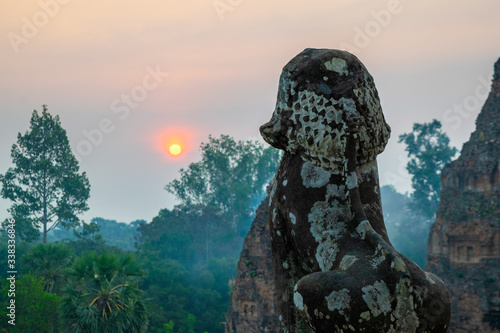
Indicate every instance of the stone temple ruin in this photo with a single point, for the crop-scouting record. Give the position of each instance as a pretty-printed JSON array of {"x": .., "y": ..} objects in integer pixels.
[
  {"x": 254, "y": 296},
  {"x": 464, "y": 243},
  {"x": 335, "y": 269}
]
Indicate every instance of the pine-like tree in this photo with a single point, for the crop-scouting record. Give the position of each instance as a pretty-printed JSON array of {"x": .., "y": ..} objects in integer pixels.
[{"x": 44, "y": 184}]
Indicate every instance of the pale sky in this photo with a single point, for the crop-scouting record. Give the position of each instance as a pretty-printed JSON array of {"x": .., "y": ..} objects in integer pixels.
[{"x": 150, "y": 72}]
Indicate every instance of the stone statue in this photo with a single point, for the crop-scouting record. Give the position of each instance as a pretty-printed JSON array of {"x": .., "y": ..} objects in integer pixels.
[{"x": 335, "y": 268}]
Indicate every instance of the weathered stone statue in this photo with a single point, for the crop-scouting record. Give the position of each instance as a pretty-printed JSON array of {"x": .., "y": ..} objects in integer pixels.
[{"x": 335, "y": 268}]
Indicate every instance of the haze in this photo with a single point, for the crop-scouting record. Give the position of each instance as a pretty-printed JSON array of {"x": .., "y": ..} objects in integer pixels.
[{"x": 126, "y": 77}]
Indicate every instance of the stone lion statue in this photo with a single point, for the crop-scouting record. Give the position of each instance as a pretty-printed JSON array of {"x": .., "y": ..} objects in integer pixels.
[{"x": 335, "y": 268}]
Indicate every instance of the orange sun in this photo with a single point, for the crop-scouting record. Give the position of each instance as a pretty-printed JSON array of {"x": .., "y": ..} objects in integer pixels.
[
  {"x": 175, "y": 149},
  {"x": 174, "y": 144}
]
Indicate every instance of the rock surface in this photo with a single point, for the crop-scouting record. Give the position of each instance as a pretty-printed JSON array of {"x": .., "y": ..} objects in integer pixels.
[
  {"x": 334, "y": 266},
  {"x": 252, "y": 302},
  {"x": 464, "y": 245}
]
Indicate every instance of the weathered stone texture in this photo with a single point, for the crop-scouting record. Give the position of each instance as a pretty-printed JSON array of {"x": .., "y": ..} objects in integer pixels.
[
  {"x": 335, "y": 268},
  {"x": 464, "y": 245},
  {"x": 252, "y": 303}
]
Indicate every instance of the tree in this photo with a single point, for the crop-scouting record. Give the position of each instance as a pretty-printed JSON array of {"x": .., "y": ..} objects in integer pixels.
[
  {"x": 191, "y": 235},
  {"x": 230, "y": 179},
  {"x": 167, "y": 289},
  {"x": 102, "y": 295},
  {"x": 45, "y": 185},
  {"x": 35, "y": 308},
  {"x": 118, "y": 234},
  {"x": 167, "y": 328},
  {"x": 429, "y": 151},
  {"x": 191, "y": 251},
  {"x": 48, "y": 261}
]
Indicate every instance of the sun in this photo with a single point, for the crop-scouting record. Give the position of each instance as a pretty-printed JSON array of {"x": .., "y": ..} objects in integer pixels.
[
  {"x": 175, "y": 149},
  {"x": 173, "y": 143}
]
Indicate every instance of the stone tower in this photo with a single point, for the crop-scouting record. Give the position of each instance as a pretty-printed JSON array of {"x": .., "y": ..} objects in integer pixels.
[
  {"x": 464, "y": 244},
  {"x": 252, "y": 303}
]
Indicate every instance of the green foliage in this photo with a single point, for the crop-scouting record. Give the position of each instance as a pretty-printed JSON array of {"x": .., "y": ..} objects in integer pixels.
[
  {"x": 99, "y": 235},
  {"x": 167, "y": 328},
  {"x": 97, "y": 244},
  {"x": 118, "y": 234},
  {"x": 45, "y": 185},
  {"x": 190, "y": 321},
  {"x": 210, "y": 308},
  {"x": 190, "y": 324},
  {"x": 83, "y": 231},
  {"x": 21, "y": 249},
  {"x": 429, "y": 151},
  {"x": 180, "y": 296},
  {"x": 102, "y": 295},
  {"x": 167, "y": 288},
  {"x": 222, "y": 269},
  {"x": 190, "y": 235},
  {"x": 34, "y": 307},
  {"x": 86, "y": 230},
  {"x": 209, "y": 299},
  {"x": 44, "y": 268},
  {"x": 48, "y": 261},
  {"x": 191, "y": 251}
]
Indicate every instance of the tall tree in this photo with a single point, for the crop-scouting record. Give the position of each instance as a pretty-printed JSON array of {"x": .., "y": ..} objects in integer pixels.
[
  {"x": 102, "y": 295},
  {"x": 192, "y": 249},
  {"x": 45, "y": 184},
  {"x": 230, "y": 178},
  {"x": 429, "y": 151}
]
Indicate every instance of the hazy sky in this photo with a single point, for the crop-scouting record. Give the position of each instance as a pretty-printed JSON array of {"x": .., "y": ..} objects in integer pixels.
[{"x": 128, "y": 77}]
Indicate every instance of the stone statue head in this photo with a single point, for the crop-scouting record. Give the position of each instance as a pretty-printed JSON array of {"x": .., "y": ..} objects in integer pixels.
[{"x": 319, "y": 91}]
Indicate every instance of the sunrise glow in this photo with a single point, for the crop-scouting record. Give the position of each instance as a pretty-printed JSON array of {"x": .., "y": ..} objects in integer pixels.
[
  {"x": 174, "y": 143},
  {"x": 175, "y": 149}
]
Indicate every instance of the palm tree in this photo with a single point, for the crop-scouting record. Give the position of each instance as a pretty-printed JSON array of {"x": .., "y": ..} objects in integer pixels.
[
  {"x": 48, "y": 261},
  {"x": 102, "y": 295}
]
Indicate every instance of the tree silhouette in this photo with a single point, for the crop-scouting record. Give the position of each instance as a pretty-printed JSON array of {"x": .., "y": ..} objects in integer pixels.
[
  {"x": 429, "y": 151},
  {"x": 45, "y": 185}
]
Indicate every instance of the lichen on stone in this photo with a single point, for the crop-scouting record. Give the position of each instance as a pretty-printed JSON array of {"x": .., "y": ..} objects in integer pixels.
[
  {"x": 339, "y": 300},
  {"x": 338, "y": 271},
  {"x": 378, "y": 298},
  {"x": 347, "y": 261}
]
